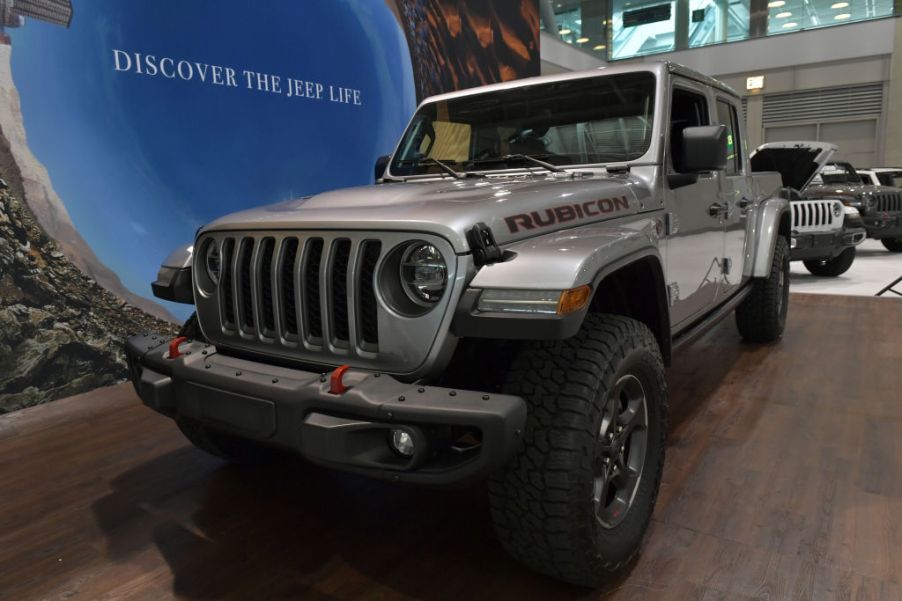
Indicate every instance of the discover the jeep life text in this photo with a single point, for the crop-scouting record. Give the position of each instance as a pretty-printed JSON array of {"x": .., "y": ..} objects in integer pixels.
[
  {"x": 502, "y": 304},
  {"x": 825, "y": 232}
]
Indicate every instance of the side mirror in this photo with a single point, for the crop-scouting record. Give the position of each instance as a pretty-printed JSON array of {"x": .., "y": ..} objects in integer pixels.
[
  {"x": 381, "y": 164},
  {"x": 704, "y": 148}
]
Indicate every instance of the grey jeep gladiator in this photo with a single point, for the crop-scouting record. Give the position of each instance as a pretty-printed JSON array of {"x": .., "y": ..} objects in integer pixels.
[{"x": 502, "y": 304}]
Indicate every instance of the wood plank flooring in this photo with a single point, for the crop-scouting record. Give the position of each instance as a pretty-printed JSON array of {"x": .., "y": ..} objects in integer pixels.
[{"x": 783, "y": 481}]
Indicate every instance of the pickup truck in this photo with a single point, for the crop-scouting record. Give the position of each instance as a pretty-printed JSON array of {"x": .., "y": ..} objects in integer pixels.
[
  {"x": 880, "y": 206},
  {"x": 502, "y": 304},
  {"x": 824, "y": 231}
]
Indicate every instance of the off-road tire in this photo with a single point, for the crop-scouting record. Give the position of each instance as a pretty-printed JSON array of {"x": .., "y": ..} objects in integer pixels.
[
  {"x": 542, "y": 502},
  {"x": 233, "y": 449},
  {"x": 761, "y": 317},
  {"x": 831, "y": 268},
  {"x": 894, "y": 245},
  {"x": 191, "y": 329}
]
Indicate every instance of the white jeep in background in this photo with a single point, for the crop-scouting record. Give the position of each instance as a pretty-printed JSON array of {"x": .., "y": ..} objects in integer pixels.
[
  {"x": 825, "y": 232},
  {"x": 881, "y": 176}
]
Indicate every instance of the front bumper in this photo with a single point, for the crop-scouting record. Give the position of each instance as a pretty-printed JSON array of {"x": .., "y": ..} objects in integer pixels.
[
  {"x": 824, "y": 245},
  {"x": 295, "y": 410},
  {"x": 883, "y": 225}
]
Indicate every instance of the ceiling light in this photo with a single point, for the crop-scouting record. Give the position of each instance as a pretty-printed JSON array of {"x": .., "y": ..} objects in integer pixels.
[
  {"x": 783, "y": 15},
  {"x": 839, "y": 5},
  {"x": 790, "y": 25},
  {"x": 600, "y": 47},
  {"x": 565, "y": 31},
  {"x": 842, "y": 16},
  {"x": 582, "y": 40},
  {"x": 776, "y": 4}
]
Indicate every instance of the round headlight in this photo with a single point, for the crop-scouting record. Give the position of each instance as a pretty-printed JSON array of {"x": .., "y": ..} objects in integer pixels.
[
  {"x": 424, "y": 273},
  {"x": 837, "y": 209},
  {"x": 213, "y": 262}
]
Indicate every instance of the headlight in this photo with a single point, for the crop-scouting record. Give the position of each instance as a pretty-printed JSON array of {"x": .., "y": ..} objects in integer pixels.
[
  {"x": 424, "y": 273},
  {"x": 213, "y": 262},
  {"x": 837, "y": 209}
]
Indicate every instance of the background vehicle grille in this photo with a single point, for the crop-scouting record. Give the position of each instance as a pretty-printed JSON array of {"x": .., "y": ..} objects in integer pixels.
[
  {"x": 815, "y": 215},
  {"x": 307, "y": 289},
  {"x": 888, "y": 201}
]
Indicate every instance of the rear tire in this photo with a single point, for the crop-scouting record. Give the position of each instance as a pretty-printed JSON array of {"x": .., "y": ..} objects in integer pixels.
[
  {"x": 234, "y": 449},
  {"x": 893, "y": 245},
  {"x": 831, "y": 268},
  {"x": 761, "y": 317},
  {"x": 575, "y": 502}
]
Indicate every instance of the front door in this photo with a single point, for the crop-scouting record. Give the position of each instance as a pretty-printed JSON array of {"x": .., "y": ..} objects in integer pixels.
[{"x": 696, "y": 233}]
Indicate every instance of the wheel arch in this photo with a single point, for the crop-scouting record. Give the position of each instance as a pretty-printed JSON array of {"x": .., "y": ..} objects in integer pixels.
[{"x": 634, "y": 287}]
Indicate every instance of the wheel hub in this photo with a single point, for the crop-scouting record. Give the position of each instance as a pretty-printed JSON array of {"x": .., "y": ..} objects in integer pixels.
[{"x": 620, "y": 450}]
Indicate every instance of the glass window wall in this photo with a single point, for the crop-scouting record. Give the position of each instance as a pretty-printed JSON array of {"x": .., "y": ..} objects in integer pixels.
[{"x": 619, "y": 29}]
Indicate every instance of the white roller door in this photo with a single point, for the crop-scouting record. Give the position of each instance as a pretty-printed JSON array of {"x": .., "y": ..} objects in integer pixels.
[{"x": 847, "y": 116}]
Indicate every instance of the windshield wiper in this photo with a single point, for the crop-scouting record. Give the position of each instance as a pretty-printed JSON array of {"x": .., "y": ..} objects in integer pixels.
[
  {"x": 447, "y": 168},
  {"x": 441, "y": 165},
  {"x": 522, "y": 157}
]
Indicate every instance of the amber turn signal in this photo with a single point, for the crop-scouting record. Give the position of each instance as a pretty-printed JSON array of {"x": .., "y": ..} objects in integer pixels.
[{"x": 574, "y": 299}]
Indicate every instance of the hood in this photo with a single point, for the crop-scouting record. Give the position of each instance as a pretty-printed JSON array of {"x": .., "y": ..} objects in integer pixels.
[
  {"x": 514, "y": 207},
  {"x": 797, "y": 162}
]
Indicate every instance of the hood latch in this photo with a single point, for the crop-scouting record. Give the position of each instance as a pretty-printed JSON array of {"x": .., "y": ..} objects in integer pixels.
[{"x": 482, "y": 243}]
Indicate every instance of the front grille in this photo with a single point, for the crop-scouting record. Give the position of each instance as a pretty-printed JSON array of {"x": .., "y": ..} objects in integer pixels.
[
  {"x": 888, "y": 201},
  {"x": 294, "y": 289},
  {"x": 815, "y": 215}
]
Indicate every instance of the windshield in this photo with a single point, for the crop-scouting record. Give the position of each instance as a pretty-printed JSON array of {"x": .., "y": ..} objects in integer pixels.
[
  {"x": 890, "y": 178},
  {"x": 573, "y": 122},
  {"x": 837, "y": 173}
]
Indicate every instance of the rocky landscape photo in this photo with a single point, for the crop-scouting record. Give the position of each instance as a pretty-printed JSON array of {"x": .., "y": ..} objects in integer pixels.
[{"x": 61, "y": 333}]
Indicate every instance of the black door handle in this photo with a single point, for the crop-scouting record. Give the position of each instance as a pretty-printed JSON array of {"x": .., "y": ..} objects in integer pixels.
[
  {"x": 717, "y": 209},
  {"x": 744, "y": 203}
]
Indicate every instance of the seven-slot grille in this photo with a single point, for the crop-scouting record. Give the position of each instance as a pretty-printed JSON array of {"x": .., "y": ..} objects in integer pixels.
[
  {"x": 815, "y": 215},
  {"x": 888, "y": 201},
  {"x": 313, "y": 291}
]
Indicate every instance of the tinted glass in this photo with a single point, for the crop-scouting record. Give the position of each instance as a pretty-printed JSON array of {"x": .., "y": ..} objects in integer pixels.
[{"x": 574, "y": 122}]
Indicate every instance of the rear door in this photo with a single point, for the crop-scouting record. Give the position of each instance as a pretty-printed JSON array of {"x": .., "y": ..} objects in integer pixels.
[{"x": 736, "y": 196}]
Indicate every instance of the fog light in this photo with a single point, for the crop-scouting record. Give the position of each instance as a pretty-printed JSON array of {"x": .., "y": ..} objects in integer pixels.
[{"x": 402, "y": 443}]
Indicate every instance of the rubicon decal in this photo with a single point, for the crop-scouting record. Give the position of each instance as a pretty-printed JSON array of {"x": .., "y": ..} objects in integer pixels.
[{"x": 564, "y": 213}]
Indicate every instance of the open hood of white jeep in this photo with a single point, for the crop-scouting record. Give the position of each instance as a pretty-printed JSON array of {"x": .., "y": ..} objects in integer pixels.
[{"x": 797, "y": 162}]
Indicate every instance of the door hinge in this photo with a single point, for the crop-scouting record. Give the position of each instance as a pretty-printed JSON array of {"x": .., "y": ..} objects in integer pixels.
[
  {"x": 673, "y": 293},
  {"x": 726, "y": 264}
]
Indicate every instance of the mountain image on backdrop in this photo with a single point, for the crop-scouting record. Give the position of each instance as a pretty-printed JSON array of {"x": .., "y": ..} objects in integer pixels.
[{"x": 63, "y": 314}]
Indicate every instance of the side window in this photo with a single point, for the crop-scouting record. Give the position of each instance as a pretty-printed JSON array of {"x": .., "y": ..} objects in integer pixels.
[
  {"x": 689, "y": 109},
  {"x": 726, "y": 115}
]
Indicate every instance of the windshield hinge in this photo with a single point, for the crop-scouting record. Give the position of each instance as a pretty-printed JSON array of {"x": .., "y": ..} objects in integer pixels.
[
  {"x": 482, "y": 243},
  {"x": 614, "y": 169}
]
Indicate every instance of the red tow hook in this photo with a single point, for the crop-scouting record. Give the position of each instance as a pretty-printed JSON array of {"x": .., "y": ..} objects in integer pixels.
[
  {"x": 336, "y": 386},
  {"x": 174, "y": 352}
]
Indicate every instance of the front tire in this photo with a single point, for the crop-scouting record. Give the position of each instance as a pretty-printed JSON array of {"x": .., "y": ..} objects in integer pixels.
[
  {"x": 577, "y": 499},
  {"x": 831, "y": 268},
  {"x": 893, "y": 245},
  {"x": 761, "y": 317}
]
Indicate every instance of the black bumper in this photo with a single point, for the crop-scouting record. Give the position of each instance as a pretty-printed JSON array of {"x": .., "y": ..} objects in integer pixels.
[
  {"x": 826, "y": 245},
  {"x": 883, "y": 225},
  {"x": 295, "y": 410}
]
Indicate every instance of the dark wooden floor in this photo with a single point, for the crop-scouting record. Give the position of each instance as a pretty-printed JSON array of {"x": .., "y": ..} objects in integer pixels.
[{"x": 783, "y": 481}]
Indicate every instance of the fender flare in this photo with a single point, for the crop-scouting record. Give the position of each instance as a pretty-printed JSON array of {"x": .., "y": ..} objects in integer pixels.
[
  {"x": 174, "y": 282},
  {"x": 767, "y": 229}
]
